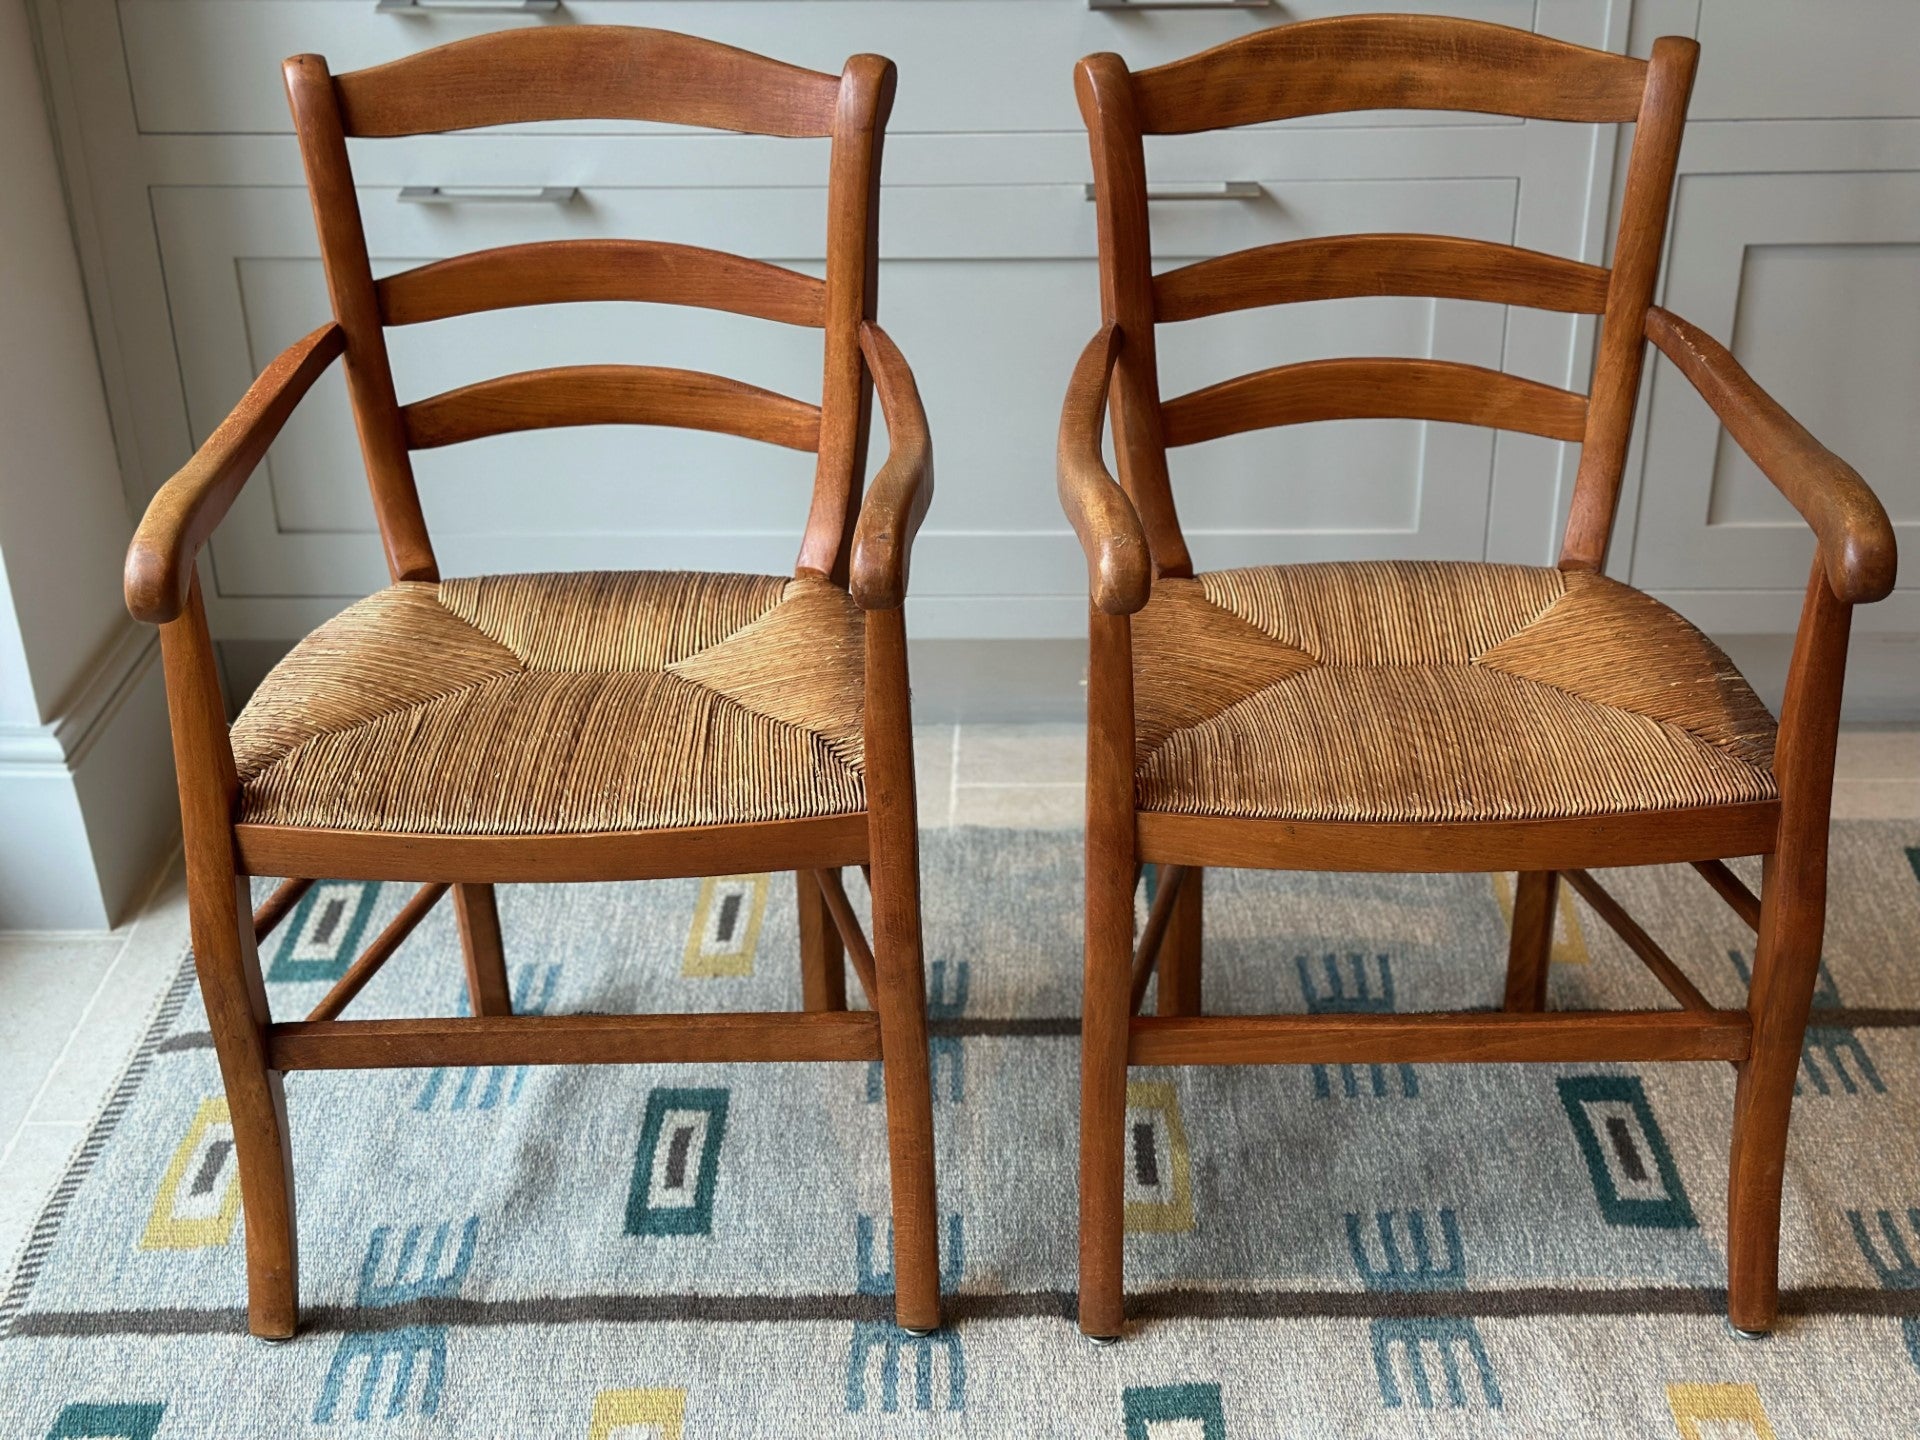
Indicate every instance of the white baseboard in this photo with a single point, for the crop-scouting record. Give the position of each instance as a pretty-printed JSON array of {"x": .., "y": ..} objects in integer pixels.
[{"x": 88, "y": 799}]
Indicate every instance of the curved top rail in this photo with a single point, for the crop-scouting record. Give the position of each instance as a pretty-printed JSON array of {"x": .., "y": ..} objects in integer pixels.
[
  {"x": 586, "y": 72},
  {"x": 1387, "y": 62}
]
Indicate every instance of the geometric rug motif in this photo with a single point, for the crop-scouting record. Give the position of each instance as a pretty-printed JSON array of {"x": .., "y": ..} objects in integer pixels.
[{"x": 689, "y": 1251}]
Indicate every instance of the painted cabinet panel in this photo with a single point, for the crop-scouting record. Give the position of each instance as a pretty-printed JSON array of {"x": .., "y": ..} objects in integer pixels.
[
  {"x": 1795, "y": 59},
  {"x": 1814, "y": 281}
]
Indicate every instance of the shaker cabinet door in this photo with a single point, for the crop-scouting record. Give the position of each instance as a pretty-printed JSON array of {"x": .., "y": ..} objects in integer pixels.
[{"x": 1813, "y": 280}]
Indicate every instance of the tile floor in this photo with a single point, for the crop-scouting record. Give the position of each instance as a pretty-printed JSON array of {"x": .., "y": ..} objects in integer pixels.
[{"x": 73, "y": 1006}]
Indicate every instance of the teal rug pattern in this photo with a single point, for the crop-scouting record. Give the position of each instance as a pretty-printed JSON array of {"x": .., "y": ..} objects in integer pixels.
[{"x": 685, "y": 1252}]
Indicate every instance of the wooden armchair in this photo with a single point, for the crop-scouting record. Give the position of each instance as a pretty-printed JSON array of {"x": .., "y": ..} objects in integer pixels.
[
  {"x": 586, "y": 727},
  {"x": 1420, "y": 716}
]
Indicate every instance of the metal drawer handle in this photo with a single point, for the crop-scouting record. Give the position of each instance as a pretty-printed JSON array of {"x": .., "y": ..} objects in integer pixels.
[
  {"x": 1219, "y": 190},
  {"x": 1181, "y": 4},
  {"x": 488, "y": 194},
  {"x": 467, "y": 7}
]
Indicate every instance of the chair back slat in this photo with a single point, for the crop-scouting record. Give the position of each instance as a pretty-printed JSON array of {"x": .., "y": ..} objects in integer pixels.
[
  {"x": 586, "y": 72},
  {"x": 1366, "y": 62},
  {"x": 554, "y": 272},
  {"x": 1387, "y": 62},
  {"x": 610, "y": 395},
  {"x": 1374, "y": 389},
  {"x": 610, "y": 72},
  {"x": 1337, "y": 267}
]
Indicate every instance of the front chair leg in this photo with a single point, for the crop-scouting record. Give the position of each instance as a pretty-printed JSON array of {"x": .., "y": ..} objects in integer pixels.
[
  {"x": 1105, "y": 1013},
  {"x": 228, "y": 966},
  {"x": 894, "y": 878},
  {"x": 1106, "y": 1000},
  {"x": 478, "y": 915},
  {"x": 902, "y": 1003},
  {"x": 1536, "y": 895},
  {"x": 1786, "y": 964}
]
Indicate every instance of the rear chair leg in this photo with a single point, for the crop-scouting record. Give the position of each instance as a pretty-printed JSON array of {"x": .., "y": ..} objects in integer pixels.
[
  {"x": 1530, "y": 951},
  {"x": 823, "y": 966},
  {"x": 479, "y": 919},
  {"x": 236, "y": 1000},
  {"x": 1180, "y": 949}
]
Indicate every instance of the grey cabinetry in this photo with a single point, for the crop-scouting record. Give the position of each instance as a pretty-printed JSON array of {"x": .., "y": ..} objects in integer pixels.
[{"x": 200, "y": 254}]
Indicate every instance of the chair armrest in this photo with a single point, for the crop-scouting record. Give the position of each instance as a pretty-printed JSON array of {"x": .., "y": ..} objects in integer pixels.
[
  {"x": 897, "y": 501},
  {"x": 190, "y": 505},
  {"x": 1118, "y": 572},
  {"x": 1856, "y": 539}
]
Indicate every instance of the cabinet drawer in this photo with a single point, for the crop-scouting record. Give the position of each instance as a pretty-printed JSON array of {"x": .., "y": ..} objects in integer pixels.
[
  {"x": 213, "y": 66},
  {"x": 990, "y": 290}
]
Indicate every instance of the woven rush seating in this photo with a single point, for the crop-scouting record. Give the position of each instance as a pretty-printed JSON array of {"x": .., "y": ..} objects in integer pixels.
[
  {"x": 563, "y": 703},
  {"x": 1418, "y": 690}
]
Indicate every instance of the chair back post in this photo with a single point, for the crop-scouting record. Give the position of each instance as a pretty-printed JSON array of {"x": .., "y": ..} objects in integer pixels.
[
  {"x": 852, "y": 296},
  {"x": 1104, "y": 86},
  {"x": 1644, "y": 209},
  {"x": 343, "y": 255}
]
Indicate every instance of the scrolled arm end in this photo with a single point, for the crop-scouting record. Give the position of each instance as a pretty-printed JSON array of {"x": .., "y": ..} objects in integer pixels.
[
  {"x": 185, "y": 511},
  {"x": 158, "y": 570},
  {"x": 1119, "y": 565},
  {"x": 1857, "y": 546},
  {"x": 898, "y": 499},
  {"x": 1866, "y": 562}
]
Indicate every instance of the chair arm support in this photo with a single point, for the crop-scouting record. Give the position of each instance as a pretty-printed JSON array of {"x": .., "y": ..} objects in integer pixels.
[
  {"x": 898, "y": 499},
  {"x": 1856, "y": 539},
  {"x": 1118, "y": 573},
  {"x": 189, "y": 507}
]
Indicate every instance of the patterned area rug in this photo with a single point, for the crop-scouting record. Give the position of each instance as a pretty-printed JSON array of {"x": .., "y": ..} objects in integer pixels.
[{"x": 703, "y": 1251}]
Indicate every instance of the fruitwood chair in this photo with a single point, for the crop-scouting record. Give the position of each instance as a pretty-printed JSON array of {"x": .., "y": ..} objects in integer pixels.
[
  {"x": 584, "y": 727},
  {"x": 1421, "y": 716}
]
